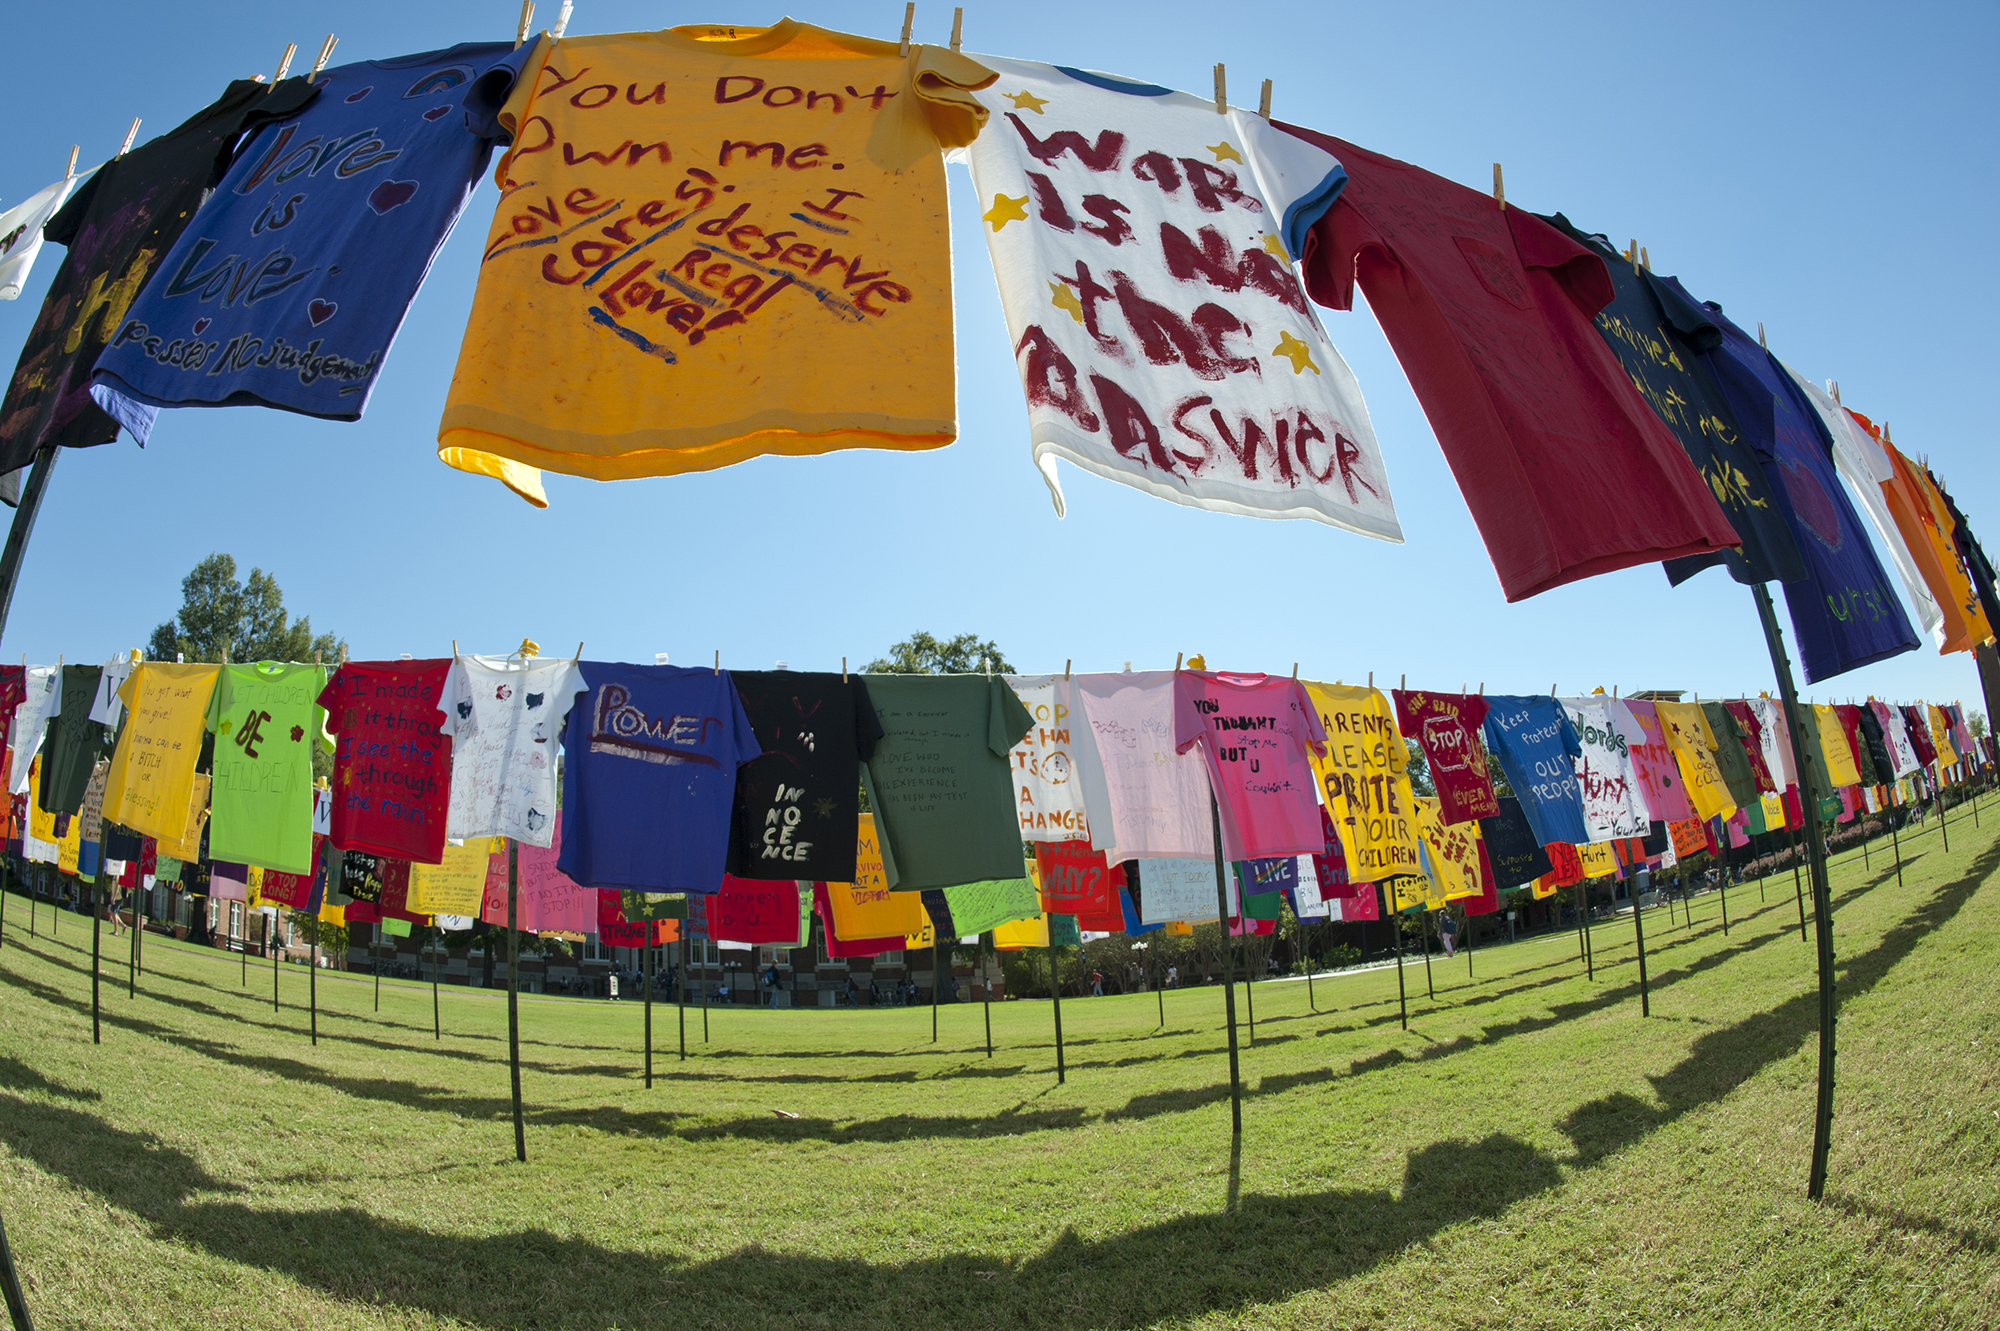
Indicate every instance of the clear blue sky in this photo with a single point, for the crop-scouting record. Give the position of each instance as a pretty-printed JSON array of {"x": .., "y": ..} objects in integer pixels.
[{"x": 1828, "y": 170}]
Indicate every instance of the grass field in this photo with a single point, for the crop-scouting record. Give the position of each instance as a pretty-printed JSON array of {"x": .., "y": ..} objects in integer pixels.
[{"x": 1530, "y": 1153}]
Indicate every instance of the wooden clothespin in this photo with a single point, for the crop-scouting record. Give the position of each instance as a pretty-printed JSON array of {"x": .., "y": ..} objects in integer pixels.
[
  {"x": 1371, "y": 679},
  {"x": 1403, "y": 686},
  {"x": 130, "y": 135},
  {"x": 718, "y": 660},
  {"x": 1221, "y": 92},
  {"x": 1499, "y": 188},
  {"x": 325, "y": 53},
  {"x": 454, "y": 649},
  {"x": 843, "y": 670},
  {"x": 1760, "y": 334},
  {"x": 1264, "y": 102},
  {"x": 527, "y": 21},
  {"x": 1552, "y": 690},
  {"x": 579, "y": 650},
  {"x": 284, "y": 63},
  {"x": 1177, "y": 662},
  {"x": 1645, "y": 261},
  {"x": 909, "y": 21},
  {"x": 957, "y": 25},
  {"x": 1632, "y": 253},
  {"x": 70, "y": 170},
  {"x": 1066, "y": 663},
  {"x": 1833, "y": 387},
  {"x": 562, "y": 19}
]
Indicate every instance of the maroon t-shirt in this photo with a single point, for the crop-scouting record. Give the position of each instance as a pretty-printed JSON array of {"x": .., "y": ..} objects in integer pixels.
[
  {"x": 391, "y": 763},
  {"x": 1446, "y": 726},
  {"x": 1567, "y": 471}
]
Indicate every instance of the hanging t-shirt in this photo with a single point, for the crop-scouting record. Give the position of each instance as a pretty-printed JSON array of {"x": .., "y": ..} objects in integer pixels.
[
  {"x": 1566, "y": 471},
  {"x": 73, "y": 742},
  {"x": 939, "y": 779},
  {"x": 1452, "y": 851},
  {"x": 1144, "y": 248},
  {"x": 865, "y": 907},
  {"x": 1172, "y": 889},
  {"x": 1947, "y": 752},
  {"x": 1817, "y": 769},
  {"x": 505, "y": 718},
  {"x": 1775, "y": 737},
  {"x": 1076, "y": 880},
  {"x": 21, "y": 233},
  {"x": 105, "y": 708},
  {"x": 682, "y": 213},
  {"x": 1447, "y": 727},
  {"x": 1693, "y": 744},
  {"x": 1537, "y": 747},
  {"x": 287, "y": 288},
  {"x": 1751, "y": 731},
  {"x": 1849, "y": 717},
  {"x": 1145, "y": 798},
  {"x": 41, "y": 698},
  {"x": 152, "y": 769},
  {"x": 1833, "y": 742},
  {"x": 266, "y": 718},
  {"x": 1731, "y": 759},
  {"x": 1917, "y": 726},
  {"x": 1614, "y": 802},
  {"x": 1844, "y": 612},
  {"x": 1657, "y": 334},
  {"x": 118, "y": 225},
  {"x": 452, "y": 886},
  {"x": 649, "y": 777},
  {"x": 1896, "y": 733},
  {"x": 1515, "y": 853},
  {"x": 391, "y": 762},
  {"x": 797, "y": 806},
  {"x": 1964, "y": 623},
  {"x": 1049, "y": 795},
  {"x": 1257, "y": 733},
  {"x": 1364, "y": 777},
  {"x": 187, "y": 842}
]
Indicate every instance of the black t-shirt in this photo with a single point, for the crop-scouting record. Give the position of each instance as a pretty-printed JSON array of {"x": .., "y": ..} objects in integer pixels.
[
  {"x": 1878, "y": 747},
  {"x": 361, "y": 876},
  {"x": 1511, "y": 845},
  {"x": 1657, "y": 334},
  {"x": 798, "y": 807},
  {"x": 117, "y": 225},
  {"x": 72, "y": 744}
]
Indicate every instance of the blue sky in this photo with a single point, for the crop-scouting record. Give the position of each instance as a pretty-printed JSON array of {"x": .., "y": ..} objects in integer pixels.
[{"x": 1827, "y": 170}]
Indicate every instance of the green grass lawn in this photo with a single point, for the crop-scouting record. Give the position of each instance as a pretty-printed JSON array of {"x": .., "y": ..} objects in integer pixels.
[{"x": 1530, "y": 1153}]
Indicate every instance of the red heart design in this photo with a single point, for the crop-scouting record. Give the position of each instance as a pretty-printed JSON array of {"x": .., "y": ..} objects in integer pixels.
[
  {"x": 200, "y": 327},
  {"x": 320, "y": 311}
]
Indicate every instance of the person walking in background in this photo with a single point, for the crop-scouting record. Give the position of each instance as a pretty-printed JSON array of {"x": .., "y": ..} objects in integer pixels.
[{"x": 1448, "y": 932}]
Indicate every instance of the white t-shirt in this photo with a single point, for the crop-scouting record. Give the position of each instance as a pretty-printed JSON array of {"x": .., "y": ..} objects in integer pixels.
[
  {"x": 1143, "y": 799},
  {"x": 1180, "y": 889},
  {"x": 1897, "y": 732},
  {"x": 1614, "y": 802},
  {"x": 1306, "y": 893},
  {"x": 21, "y": 234},
  {"x": 1776, "y": 741},
  {"x": 505, "y": 719},
  {"x": 106, "y": 707},
  {"x": 1047, "y": 794},
  {"x": 1145, "y": 250},
  {"x": 31, "y": 721}
]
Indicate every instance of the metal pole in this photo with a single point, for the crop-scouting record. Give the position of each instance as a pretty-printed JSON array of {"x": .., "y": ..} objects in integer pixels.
[
  {"x": 372, "y": 950},
  {"x": 1797, "y": 889},
  {"x": 312, "y": 979},
  {"x": 650, "y": 945},
  {"x": 1159, "y": 989},
  {"x": 1822, "y": 902},
  {"x": 1944, "y": 818},
  {"x": 243, "y": 964},
  {"x": 1228, "y": 970},
  {"x": 1725, "y": 905},
  {"x": 514, "y": 994},
  {"x": 1639, "y": 933},
  {"x": 23, "y": 527},
  {"x": 274, "y": 960},
  {"x": 1055, "y": 996},
  {"x": 681, "y": 994},
  {"x": 138, "y": 928},
  {"x": 10, "y": 1284},
  {"x": 96, "y": 933},
  {"x": 704, "y": 990},
  {"x": 1582, "y": 938},
  {"x": 1396, "y": 928},
  {"x": 987, "y": 990},
  {"x": 1249, "y": 994},
  {"x": 1468, "y": 945},
  {"x": 937, "y": 982},
  {"x": 1428, "y": 986},
  {"x": 1895, "y": 841},
  {"x": 5, "y": 873}
]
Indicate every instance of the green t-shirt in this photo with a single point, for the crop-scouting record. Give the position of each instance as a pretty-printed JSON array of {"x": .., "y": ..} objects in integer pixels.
[
  {"x": 73, "y": 742},
  {"x": 940, "y": 782},
  {"x": 265, "y": 720},
  {"x": 1731, "y": 758}
]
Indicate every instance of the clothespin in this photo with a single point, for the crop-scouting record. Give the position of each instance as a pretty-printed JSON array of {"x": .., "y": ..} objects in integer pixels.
[
  {"x": 1264, "y": 102},
  {"x": 579, "y": 650},
  {"x": 1177, "y": 662},
  {"x": 1221, "y": 93},
  {"x": 325, "y": 52},
  {"x": 957, "y": 25},
  {"x": 1295, "y": 670},
  {"x": 843, "y": 670},
  {"x": 1404, "y": 685},
  {"x": 1760, "y": 334},
  {"x": 1644, "y": 260},
  {"x": 284, "y": 63},
  {"x": 1066, "y": 662},
  {"x": 1632, "y": 254},
  {"x": 909, "y": 21},
  {"x": 130, "y": 135},
  {"x": 1371, "y": 679},
  {"x": 527, "y": 21},
  {"x": 70, "y": 170},
  {"x": 1833, "y": 387},
  {"x": 718, "y": 660},
  {"x": 562, "y": 19},
  {"x": 454, "y": 649},
  {"x": 1499, "y": 188},
  {"x": 1552, "y": 690}
]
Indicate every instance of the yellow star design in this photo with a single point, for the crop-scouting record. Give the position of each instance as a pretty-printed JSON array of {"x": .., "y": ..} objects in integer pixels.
[
  {"x": 1224, "y": 153},
  {"x": 1295, "y": 351},
  {"x": 1026, "y": 101},
  {"x": 1005, "y": 210},
  {"x": 1063, "y": 298},
  {"x": 1276, "y": 245}
]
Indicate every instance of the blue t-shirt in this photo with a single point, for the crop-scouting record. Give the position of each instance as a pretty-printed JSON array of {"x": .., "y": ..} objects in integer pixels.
[
  {"x": 288, "y": 286},
  {"x": 1537, "y": 746},
  {"x": 1844, "y": 610},
  {"x": 649, "y": 775}
]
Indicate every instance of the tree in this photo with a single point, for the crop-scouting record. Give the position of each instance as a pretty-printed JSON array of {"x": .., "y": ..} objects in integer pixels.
[
  {"x": 922, "y": 654},
  {"x": 1976, "y": 723},
  {"x": 222, "y": 619}
]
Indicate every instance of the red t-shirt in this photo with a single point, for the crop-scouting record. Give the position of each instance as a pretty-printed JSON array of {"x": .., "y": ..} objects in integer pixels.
[
  {"x": 392, "y": 765},
  {"x": 1446, "y": 727},
  {"x": 1567, "y": 471},
  {"x": 1753, "y": 745},
  {"x": 1076, "y": 880}
]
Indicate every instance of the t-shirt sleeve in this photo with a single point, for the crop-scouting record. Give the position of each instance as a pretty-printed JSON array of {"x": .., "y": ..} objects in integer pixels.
[
  {"x": 945, "y": 81},
  {"x": 511, "y": 113},
  {"x": 328, "y": 700},
  {"x": 214, "y": 712},
  {"x": 1686, "y": 315},
  {"x": 1581, "y": 273},
  {"x": 460, "y": 716},
  {"x": 743, "y": 734},
  {"x": 867, "y": 725},
  {"x": 1314, "y": 733},
  {"x": 493, "y": 90},
  {"x": 62, "y": 228},
  {"x": 1010, "y": 722},
  {"x": 1188, "y": 725},
  {"x": 1407, "y": 723},
  {"x": 571, "y": 681},
  {"x": 1571, "y": 741}
]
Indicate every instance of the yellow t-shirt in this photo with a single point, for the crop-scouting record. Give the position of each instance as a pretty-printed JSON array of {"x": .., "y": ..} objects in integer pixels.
[
  {"x": 1840, "y": 766},
  {"x": 1364, "y": 777},
  {"x": 1774, "y": 813},
  {"x": 188, "y": 847},
  {"x": 1453, "y": 851},
  {"x": 41, "y": 824},
  {"x": 1693, "y": 746},
  {"x": 1598, "y": 859},
  {"x": 152, "y": 770},
  {"x": 714, "y": 243},
  {"x": 1941, "y": 736},
  {"x": 455, "y": 884},
  {"x": 866, "y": 908},
  {"x": 1031, "y": 932}
]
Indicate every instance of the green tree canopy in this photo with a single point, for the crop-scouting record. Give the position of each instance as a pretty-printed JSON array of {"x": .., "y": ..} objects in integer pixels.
[
  {"x": 922, "y": 654},
  {"x": 222, "y": 619}
]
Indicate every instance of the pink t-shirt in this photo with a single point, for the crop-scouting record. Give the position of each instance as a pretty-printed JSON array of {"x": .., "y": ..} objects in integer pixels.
[
  {"x": 1143, "y": 798},
  {"x": 1654, "y": 764},
  {"x": 1254, "y": 731}
]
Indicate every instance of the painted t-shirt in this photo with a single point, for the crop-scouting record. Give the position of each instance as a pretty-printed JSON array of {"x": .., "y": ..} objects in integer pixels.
[
  {"x": 391, "y": 760},
  {"x": 649, "y": 777},
  {"x": 1833, "y": 742},
  {"x": 1693, "y": 744},
  {"x": 505, "y": 718},
  {"x": 1537, "y": 747},
  {"x": 1614, "y": 801},
  {"x": 714, "y": 243},
  {"x": 1452, "y": 850},
  {"x": 1849, "y": 717},
  {"x": 864, "y": 907},
  {"x": 41, "y": 698},
  {"x": 1076, "y": 880},
  {"x": 1364, "y": 779},
  {"x": 1751, "y": 731},
  {"x": 266, "y": 718},
  {"x": 1144, "y": 247},
  {"x": 21, "y": 234},
  {"x": 1732, "y": 758},
  {"x": 1146, "y": 798},
  {"x": 1257, "y": 733},
  {"x": 1048, "y": 794},
  {"x": 1776, "y": 739},
  {"x": 288, "y": 286},
  {"x": 797, "y": 806},
  {"x": 152, "y": 769},
  {"x": 1512, "y": 850},
  {"x": 72, "y": 742},
  {"x": 1447, "y": 727},
  {"x": 1896, "y": 733},
  {"x": 1918, "y": 515}
]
